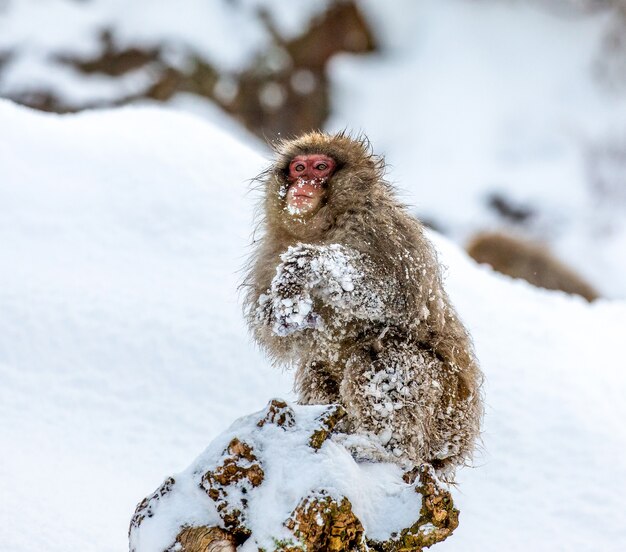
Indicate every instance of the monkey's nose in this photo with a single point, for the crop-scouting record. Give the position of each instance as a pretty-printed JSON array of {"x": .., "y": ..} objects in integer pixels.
[{"x": 308, "y": 174}]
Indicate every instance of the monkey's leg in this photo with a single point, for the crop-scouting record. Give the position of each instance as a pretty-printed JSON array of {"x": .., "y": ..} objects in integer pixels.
[
  {"x": 315, "y": 384},
  {"x": 411, "y": 403},
  {"x": 393, "y": 396},
  {"x": 457, "y": 426}
]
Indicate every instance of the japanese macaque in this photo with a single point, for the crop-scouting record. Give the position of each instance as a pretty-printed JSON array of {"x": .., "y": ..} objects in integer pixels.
[
  {"x": 344, "y": 286},
  {"x": 527, "y": 260}
]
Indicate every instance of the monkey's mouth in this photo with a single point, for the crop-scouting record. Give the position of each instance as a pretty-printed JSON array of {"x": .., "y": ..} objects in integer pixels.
[
  {"x": 304, "y": 196},
  {"x": 302, "y": 200}
]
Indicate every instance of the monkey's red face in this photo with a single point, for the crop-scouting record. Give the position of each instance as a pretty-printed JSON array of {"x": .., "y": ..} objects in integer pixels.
[{"x": 308, "y": 176}]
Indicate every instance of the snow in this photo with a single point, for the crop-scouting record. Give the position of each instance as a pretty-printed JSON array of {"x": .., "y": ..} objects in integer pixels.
[
  {"x": 552, "y": 471},
  {"x": 123, "y": 351}
]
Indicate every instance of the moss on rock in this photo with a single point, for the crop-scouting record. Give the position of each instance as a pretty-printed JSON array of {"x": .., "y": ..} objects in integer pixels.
[
  {"x": 328, "y": 420},
  {"x": 239, "y": 470},
  {"x": 322, "y": 524}
]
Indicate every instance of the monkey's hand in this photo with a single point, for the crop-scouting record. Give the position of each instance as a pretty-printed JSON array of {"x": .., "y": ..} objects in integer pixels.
[
  {"x": 341, "y": 278},
  {"x": 288, "y": 314},
  {"x": 363, "y": 447},
  {"x": 338, "y": 276},
  {"x": 287, "y": 307}
]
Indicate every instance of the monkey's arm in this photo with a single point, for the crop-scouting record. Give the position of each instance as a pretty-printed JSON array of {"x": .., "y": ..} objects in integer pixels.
[{"x": 340, "y": 277}]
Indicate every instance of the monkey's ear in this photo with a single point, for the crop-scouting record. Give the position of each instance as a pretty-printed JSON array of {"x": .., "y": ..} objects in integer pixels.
[
  {"x": 280, "y": 166},
  {"x": 340, "y": 163}
]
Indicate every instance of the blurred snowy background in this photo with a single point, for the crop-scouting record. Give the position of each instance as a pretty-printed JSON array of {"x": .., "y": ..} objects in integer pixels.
[
  {"x": 122, "y": 350},
  {"x": 494, "y": 114}
]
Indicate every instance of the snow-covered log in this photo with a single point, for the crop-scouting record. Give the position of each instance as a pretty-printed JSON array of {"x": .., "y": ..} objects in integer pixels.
[{"x": 276, "y": 480}]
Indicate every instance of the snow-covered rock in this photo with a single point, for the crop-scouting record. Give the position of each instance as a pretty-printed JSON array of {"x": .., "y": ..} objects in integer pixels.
[{"x": 275, "y": 481}]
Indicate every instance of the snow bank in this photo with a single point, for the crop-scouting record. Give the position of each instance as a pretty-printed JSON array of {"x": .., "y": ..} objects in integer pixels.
[
  {"x": 552, "y": 473},
  {"x": 123, "y": 351}
]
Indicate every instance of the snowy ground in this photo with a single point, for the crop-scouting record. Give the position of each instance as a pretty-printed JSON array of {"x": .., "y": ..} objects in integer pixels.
[{"x": 123, "y": 352}]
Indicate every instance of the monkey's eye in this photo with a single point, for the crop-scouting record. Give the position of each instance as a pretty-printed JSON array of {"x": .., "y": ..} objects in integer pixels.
[
  {"x": 321, "y": 167},
  {"x": 300, "y": 167}
]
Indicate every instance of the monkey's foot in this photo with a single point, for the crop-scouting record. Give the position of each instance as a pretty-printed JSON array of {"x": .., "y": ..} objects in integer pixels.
[{"x": 364, "y": 448}]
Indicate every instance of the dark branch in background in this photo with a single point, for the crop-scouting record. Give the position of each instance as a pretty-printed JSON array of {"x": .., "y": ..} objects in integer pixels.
[{"x": 284, "y": 91}]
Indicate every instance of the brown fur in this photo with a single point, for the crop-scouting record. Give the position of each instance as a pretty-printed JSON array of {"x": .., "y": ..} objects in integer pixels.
[
  {"x": 390, "y": 337},
  {"x": 527, "y": 260}
]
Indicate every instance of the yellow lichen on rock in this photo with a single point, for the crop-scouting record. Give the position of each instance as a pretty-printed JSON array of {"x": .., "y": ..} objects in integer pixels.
[
  {"x": 278, "y": 413},
  {"x": 328, "y": 421},
  {"x": 321, "y": 524},
  {"x": 240, "y": 468}
]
